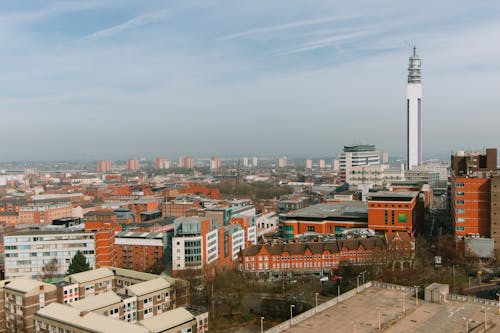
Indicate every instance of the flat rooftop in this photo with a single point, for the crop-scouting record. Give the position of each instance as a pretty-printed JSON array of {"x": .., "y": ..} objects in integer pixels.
[
  {"x": 354, "y": 209},
  {"x": 360, "y": 314}
]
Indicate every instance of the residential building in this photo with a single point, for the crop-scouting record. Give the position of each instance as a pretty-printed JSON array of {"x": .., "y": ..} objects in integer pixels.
[
  {"x": 27, "y": 253},
  {"x": 103, "y": 225},
  {"x": 186, "y": 162},
  {"x": 254, "y": 162},
  {"x": 44, "y": 213},
  {"x": 282, "y": 162},
  {"x": 64, "y": 318},
  {"x": 104, "y": 166},
  {"x": 3, "y": 283},
  {"x": 495, "y": 214},
  {"x": 215, "y": 163},
  {"x": 9, "y": 218},
  {"x": 140, "y": 251},
  {"x": 133, "y": 165},
  {"x": 23, "y": 298},
  {"x": 470, "y": 199},
  {"x": 245, "y": 162},
  {"x": 322, "y": 164},
  {"x": 309, "y": 164},
  {"x": 178, "y": 320},
  {"x": 162, "y": 163}
]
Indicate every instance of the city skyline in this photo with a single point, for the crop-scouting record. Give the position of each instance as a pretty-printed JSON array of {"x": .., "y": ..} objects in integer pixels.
[{"x": 99, "y": 80}]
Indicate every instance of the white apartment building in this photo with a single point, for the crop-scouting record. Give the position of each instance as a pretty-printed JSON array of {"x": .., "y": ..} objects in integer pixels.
[
  {"x": 375, "y": 175},
  {"x": 358, "y": 155},
  {"x": 26, "y": 253}
]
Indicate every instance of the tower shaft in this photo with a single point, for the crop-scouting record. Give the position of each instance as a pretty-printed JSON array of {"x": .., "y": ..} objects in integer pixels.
[{"x": 414, "y": 112}]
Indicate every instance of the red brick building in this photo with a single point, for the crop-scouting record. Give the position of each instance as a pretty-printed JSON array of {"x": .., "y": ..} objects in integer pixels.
[
  {"x": 140, "y": 251},
  {"x": 471, "y": 192},
  {"x": 312, "y": 257},
  {"x": 395, "y": 211},
  {"x": 104, "y": 166},
  {"x": 103, "y": 225}
]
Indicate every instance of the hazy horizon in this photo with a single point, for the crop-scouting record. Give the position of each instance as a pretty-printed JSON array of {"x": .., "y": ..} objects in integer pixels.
[{"x": 102, "y": 79}]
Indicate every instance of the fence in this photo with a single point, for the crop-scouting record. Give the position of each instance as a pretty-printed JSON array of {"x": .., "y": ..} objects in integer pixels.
[
  {"x": 449, "y": 297},
  {"x": 471, "y": 299},
  {"x": 394, "y": 286},
  {"x": 321, "y": 307}
]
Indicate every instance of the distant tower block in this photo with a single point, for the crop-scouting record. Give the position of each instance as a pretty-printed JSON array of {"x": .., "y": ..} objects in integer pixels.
[{"x": 414, "y": 111}]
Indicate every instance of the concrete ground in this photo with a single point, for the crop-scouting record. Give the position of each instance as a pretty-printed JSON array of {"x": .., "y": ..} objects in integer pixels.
[{"x": 361, "y": 313}]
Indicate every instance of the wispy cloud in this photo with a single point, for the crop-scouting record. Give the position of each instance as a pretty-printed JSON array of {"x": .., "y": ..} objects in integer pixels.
[
  {"x": 324, "y": 42},
  {"x": 286, "y": 26},
  {"x": 138, "y": 21}
]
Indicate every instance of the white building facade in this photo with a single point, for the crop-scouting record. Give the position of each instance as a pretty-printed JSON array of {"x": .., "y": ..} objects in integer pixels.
[{"x": 26, "y": 253}]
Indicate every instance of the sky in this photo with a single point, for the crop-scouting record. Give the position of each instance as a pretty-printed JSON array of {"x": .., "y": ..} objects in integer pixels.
[{"x": 107, "y": 79}]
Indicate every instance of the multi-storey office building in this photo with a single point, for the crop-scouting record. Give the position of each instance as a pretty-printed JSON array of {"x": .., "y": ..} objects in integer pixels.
[
  {"x": 194, "y": 244},
  {"x": 26, "y": 253},
  {"x": 326, "y": 218},
  {"x": 395, "y": 211},
  {"x": 358, "y": 155}
]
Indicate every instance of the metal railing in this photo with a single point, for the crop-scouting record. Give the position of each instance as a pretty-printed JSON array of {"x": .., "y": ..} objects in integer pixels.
[{"x": 321, "y": 307}]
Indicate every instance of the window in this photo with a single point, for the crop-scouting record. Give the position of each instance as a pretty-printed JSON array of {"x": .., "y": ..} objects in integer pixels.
[
  {"x": 310, "y": 228},
  {"x": 460, "y": 228},
  {"x": 460, "y": 211},
  {"x": 459, "y": 185},
  {"x": 402, "y": 218},
  {"x": 460, "y": 202},
  {"x": 460, "y": 194},
  {"x": 460, "y": 219}
]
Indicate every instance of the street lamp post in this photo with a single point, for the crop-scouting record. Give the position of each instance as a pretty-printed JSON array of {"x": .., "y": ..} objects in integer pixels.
[
  {"x": 357, "y": 284},
  {"x": 316, "y": 308},
  {"x": 467, "y": 324},
  {"x": 379, "y": 318},
  {"x": 485, "y": 322},
  {"x": 363, "y": 273},
  {"x": 291, "y": 314},
  {"x": 498, "y": 295},
  {"x": 404, "y": 306},
  {"x": 416, "y": 295},
  {"x": 261, "y": 324}
]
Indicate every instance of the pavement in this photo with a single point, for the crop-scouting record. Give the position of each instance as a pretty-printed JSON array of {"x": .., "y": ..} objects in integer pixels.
[{"x": 361, "y": 314}]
